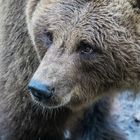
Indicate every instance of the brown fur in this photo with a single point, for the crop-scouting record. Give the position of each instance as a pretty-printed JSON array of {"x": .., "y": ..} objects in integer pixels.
[{"x": 111, "y": 27}]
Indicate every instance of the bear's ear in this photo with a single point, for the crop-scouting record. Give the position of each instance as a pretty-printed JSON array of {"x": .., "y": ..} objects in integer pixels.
[
  {"x": 135, "y": 3},
  {"x": 135, "y": 13},
  {"x": 138, "y": 3}
]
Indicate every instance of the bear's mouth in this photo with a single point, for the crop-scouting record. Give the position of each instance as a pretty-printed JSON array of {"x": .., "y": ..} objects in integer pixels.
[{"x": 51, "y": 103}]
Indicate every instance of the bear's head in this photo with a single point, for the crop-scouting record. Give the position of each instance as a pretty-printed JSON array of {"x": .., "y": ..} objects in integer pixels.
[{"x": 86, "y": 48}]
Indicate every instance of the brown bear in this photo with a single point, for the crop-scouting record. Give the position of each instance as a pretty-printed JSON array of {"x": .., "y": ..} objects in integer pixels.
[{"x": 84, "y": 50}]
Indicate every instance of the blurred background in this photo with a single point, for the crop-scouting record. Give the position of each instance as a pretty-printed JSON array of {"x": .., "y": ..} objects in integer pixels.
[{"x": 126, "y": 112}]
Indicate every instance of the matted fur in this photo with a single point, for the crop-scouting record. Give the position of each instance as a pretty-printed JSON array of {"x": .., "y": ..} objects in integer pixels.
[{"x": 112, "y": 26}]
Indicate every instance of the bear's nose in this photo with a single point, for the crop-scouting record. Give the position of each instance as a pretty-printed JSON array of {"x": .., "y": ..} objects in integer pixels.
[{"x": 39, "y": 90}]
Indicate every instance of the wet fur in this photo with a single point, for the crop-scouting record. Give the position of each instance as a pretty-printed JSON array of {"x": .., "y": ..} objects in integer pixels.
[{"x": 20, "y": 119}]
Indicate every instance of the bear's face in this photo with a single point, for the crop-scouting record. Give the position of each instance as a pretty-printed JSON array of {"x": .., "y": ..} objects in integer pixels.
[{"x": 82, "y": 48}]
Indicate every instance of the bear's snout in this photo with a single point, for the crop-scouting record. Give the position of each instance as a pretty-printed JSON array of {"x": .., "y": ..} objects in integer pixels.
[{"x": 40, "y": 91}]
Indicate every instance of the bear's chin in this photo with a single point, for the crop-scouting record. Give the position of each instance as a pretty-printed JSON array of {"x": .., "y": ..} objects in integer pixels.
[{"x": 53, "y": 103}]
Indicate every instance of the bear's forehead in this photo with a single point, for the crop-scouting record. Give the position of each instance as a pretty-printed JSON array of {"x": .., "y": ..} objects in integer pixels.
[
  {"x": 75, "y": 12},
  {"x": 74, "y": 20},
  {"x": 73, "y": 7}
]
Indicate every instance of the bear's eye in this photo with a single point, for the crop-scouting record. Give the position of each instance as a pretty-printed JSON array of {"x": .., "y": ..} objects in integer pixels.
[
  {"x": 86, "y": 48},
  {"x": 48, "y": 38}
]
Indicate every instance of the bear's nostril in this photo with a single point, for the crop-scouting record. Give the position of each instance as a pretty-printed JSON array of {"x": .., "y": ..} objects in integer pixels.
[
  {"x": 40, "y": 90},
  {"x": 35, "y": 94},
  {"x": 53, "y": 90}
]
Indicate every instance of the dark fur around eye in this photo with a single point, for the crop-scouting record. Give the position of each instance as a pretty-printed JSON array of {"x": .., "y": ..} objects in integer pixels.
[
  {"x": 85, "y": 48},
  {"x": 47, "y": 38}
]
